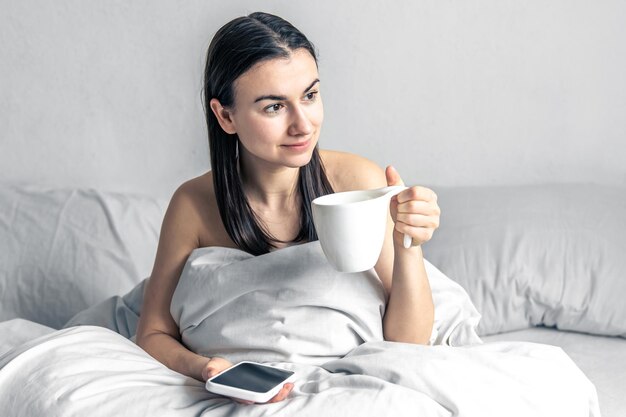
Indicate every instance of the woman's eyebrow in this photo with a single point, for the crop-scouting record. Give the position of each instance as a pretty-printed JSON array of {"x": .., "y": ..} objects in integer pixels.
[
  {"x": 317, "y": 80},
  {"x": 279, "y": 98}
]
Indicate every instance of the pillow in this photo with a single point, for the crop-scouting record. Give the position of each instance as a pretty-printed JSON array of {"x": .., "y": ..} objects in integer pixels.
[
  {"x": 63, "y": 250},
  {"x": 550, "y": 255}
]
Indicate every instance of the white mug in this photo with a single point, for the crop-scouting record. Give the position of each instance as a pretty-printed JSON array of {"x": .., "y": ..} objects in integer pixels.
[{"x": 351, "y": 226}]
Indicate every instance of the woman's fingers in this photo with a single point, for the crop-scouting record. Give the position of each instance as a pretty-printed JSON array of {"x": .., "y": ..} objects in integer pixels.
[
  {"x": 417, "y": 193},
  {"x": 283, "y": 393},
  {"x": 416, "y": 213},
  {"x": 418, "y": 234},
  {"x": 214, "y": 366},
  {"x": 418, "y": 220},
  {"x": 420, "y": 207}
]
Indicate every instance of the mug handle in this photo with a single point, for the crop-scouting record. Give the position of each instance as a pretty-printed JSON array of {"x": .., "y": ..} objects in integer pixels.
[{"x": 390, "y": 191}]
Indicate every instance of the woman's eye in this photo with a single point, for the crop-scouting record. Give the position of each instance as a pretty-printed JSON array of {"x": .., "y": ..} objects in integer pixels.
[
  {"x": 274, "y": 108},
  {"x": 311, "y": 95}
]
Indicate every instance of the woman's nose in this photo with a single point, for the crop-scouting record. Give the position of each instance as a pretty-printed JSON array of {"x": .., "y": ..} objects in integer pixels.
[{"x": 300, "y": 123}]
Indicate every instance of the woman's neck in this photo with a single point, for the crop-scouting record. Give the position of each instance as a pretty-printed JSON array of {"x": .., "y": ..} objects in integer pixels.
[{"x": 270, "y": 188}]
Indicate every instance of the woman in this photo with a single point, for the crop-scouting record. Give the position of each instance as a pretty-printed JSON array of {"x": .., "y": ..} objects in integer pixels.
[{"x": 264, "y": 113}]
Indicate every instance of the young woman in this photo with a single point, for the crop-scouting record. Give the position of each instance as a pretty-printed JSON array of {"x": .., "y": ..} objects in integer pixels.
[{"x": 264, "y": 114}]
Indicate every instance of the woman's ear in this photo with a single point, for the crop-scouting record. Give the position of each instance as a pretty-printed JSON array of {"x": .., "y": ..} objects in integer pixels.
[{"x": 223, "y": 116}]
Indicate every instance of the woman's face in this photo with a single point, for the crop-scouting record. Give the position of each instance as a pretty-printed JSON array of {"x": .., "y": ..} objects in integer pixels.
[{"x": 278, "y": 111}]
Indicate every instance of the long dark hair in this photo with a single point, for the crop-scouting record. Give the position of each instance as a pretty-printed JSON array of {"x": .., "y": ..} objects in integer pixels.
[{"x": 235, "y": 48}]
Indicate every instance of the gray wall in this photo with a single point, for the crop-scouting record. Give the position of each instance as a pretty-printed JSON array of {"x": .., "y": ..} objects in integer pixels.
[{"x": 106, "y": 94}]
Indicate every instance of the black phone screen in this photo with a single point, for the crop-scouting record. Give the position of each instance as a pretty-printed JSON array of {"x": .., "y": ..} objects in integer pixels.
[{"x": 252, "y": 377}]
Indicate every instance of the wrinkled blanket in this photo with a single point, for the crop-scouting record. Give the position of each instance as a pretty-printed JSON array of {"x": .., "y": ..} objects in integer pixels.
[
  {"x": 93, "y": 371},
  {"x": 456, "y": 317},
  {"x": 287, "y": 305},
  {"x": 289, "y": 308}
]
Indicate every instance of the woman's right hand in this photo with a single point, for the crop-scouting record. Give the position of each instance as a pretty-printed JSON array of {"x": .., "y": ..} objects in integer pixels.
[{"x": 216, "y": 365}]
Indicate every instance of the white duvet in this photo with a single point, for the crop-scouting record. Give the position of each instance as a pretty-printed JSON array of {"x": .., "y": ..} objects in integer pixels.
[
  {"x": 93, "y": 371},
  {"x": 291, "y": 309}
]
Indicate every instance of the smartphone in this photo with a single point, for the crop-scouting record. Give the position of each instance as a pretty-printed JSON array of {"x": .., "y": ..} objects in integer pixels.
[{"x": 250, "y": 381}]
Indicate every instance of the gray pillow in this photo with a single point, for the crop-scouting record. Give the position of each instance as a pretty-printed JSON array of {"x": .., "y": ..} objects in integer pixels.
[
  {"x": 552, "y": 255},
  {"x": 63, "y": 250}
]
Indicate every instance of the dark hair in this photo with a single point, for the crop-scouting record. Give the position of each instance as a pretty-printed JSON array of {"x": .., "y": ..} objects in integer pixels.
[{"x": 235, "y": 48}]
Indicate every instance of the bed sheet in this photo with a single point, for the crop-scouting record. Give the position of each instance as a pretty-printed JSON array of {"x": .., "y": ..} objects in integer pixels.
[
  {"x": 601, "y": 358},
  {"x": 17, "y": 331},
  {"x": 89, "y": 370}
]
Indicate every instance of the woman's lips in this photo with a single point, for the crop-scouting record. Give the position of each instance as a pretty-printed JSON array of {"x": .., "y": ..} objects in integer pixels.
[{"x": 300, "y": 146}]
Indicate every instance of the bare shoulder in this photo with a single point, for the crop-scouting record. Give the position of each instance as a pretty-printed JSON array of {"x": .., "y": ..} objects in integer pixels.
[
  {"x": 183, "y": 215},
  {"x": 192, "y": 213},
  {"x": 348, "y": 171},
  {"x": 194, "y": 193},
  {"x": 195, "y": 190}
]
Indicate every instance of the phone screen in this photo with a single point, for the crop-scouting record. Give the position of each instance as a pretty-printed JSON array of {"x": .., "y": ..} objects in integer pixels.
[{"x": 252, "y": 377}]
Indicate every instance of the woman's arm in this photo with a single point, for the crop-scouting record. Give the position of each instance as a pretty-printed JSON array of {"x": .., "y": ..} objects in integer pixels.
[
  {"x": 410, "y": 311},
  {"x": 157, "y": 332}
]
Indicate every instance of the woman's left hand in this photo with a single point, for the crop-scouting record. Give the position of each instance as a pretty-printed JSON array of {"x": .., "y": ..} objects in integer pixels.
[{"x": 414, "y": 211}]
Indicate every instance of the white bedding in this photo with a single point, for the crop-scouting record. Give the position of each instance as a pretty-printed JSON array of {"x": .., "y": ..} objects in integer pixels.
[
  {"x": 17, "y": 331},
  {"x": 66, "y": 250},
  {"x": 602, "y": 359},
  {"x": 291, "y": 305},
  {"x": 88, "y": 370},
  {"x": 307, "y": 317}
]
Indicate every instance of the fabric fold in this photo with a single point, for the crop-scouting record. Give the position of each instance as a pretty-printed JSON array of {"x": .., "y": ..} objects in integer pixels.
[{"x": 287, "y": 305}]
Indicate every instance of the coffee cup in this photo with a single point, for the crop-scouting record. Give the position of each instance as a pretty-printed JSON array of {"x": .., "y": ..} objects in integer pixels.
[{"x": 351, "y": 226}]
